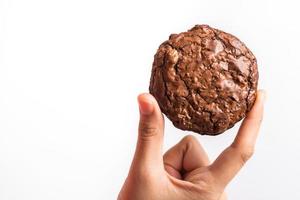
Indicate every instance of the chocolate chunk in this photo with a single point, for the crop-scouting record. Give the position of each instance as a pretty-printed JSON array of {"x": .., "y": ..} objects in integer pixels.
[{"x": 204, "y": 80}]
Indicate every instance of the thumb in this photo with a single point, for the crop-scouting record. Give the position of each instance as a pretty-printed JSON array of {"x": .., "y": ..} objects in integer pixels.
[{"x": 148, "y": 151}]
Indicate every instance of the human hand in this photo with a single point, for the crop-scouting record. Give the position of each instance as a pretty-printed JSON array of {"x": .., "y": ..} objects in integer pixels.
[{"x": 184, "y": 172}]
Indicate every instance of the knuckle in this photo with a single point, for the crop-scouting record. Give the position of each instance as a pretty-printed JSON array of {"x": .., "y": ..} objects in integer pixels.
[
  {"x": 245, "y": 153},
  {"x": 189, "y": 139},
  {"x": 147, "y": 129}
]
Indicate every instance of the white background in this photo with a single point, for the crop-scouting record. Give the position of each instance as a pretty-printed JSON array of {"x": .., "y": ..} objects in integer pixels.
[{"x": 70, "y": 71}]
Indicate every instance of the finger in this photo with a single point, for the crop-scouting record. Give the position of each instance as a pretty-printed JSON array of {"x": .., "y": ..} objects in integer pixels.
[
  {"x": 148, "y": 151},
  {"x": 223, "y": 196},
  {"x": 236, "y": 155},
  {"x": 185, "y": 156}
]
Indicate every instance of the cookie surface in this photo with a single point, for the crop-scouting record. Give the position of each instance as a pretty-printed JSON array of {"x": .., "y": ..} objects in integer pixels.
[{"x": 204, "y": 80}]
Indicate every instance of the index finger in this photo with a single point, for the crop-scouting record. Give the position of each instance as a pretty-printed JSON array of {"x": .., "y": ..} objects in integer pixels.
[{"x": 232, "y": 159}]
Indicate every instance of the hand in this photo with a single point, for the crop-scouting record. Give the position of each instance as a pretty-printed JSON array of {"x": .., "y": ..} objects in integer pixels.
[{"x": 184, "y": 172}]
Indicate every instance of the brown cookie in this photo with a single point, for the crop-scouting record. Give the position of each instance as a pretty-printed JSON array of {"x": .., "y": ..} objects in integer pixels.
[{"x": 204, "y": 80}]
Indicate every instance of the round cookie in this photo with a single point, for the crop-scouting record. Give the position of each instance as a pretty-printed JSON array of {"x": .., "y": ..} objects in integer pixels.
[{"x": 204, "y": 80}]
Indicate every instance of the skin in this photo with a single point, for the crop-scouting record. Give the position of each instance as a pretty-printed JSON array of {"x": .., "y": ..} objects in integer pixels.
[{"x": 184, "y": 172}]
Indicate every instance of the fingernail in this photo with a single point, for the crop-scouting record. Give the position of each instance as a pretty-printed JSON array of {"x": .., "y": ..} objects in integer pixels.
[{"x": 145, "y": 104}]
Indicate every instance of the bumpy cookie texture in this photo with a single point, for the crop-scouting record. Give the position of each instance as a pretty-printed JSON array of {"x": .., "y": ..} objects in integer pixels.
[{"x": 204, "y": 80}]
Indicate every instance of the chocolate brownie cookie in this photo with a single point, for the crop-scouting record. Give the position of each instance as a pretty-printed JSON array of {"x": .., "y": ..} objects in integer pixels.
[{"x": 204, "y": 80}]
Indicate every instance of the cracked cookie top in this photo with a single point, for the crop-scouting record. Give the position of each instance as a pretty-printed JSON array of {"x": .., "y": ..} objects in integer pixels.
[{"x": 204, "y": 80}]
